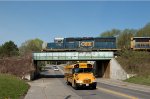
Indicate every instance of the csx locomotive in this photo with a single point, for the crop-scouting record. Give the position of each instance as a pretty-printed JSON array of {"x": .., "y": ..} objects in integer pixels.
[{"x": 82, "y": 43}]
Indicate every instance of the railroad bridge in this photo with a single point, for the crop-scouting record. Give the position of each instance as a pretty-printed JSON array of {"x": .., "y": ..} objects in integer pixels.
[{"x": 101, "y": 59}]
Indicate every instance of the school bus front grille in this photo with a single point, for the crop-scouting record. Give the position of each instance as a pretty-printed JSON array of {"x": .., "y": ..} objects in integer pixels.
[{"x": 87, "y": 81}]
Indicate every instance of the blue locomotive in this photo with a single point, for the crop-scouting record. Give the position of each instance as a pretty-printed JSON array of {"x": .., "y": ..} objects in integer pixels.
[{"x": 82, "y": 43}]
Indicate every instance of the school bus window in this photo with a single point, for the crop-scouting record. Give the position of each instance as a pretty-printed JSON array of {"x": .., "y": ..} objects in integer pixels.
[
  {"x": 78, "y": 70},
  {"x": 82, "y": 70},
  {"x": 88, "y": 70}
]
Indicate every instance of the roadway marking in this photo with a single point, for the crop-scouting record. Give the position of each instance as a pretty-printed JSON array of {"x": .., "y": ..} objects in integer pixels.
[{"x": 117, "y": 93}]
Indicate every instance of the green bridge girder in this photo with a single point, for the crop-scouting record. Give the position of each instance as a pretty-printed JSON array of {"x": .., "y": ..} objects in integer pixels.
[{"x": 58, "y": 56}]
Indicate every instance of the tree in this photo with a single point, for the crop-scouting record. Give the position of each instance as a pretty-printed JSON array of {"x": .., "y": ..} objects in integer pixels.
[
  {"x": 144, "y": 32},
  {"x": 9, "y": 49},
  {"x": 31, "y": 46},
  {"x": 113, "y": 32},
  {"x": 0, "y": 50},
  {"x": 125, "y": 38}
]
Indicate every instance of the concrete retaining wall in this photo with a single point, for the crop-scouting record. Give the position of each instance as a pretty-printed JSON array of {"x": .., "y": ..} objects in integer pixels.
[{"x": 116, "y": 71}]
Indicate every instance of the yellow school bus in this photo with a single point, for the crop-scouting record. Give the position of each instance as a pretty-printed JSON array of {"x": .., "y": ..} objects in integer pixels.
[{"x": 80, "y": 75}]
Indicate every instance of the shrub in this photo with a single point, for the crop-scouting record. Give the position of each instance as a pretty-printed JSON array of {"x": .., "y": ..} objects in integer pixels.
[
  {"x": 135, "y": 61},
  {"x": 18, "y": 66}
]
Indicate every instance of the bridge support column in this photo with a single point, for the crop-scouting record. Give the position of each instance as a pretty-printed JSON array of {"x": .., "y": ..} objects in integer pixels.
[{"x": 35, "y": 74}]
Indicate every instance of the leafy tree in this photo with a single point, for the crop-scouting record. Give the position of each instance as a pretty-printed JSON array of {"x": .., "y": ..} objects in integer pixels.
[
  {"x": 9, "y": 49},
  {"x": 31, "y": 46},
  {"x": 0, "y": 50},
  {"x": 144, "y": 32},
  {"x": 125, "y": 37},
  {"x": 113, "y": 32}
]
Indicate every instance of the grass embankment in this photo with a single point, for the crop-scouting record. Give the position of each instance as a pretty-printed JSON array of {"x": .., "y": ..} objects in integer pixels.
[
  {"x": 12, "y": 87},
  {"x": 139, "y": 80},
  {"x": 136, "y": 62}
]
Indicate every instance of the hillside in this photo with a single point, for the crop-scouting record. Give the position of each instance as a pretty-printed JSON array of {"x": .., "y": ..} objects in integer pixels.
[{"x": 138, "y": 63}]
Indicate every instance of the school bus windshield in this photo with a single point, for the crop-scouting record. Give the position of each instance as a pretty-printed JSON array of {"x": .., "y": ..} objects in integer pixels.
[{"x": 82, "y": 70}]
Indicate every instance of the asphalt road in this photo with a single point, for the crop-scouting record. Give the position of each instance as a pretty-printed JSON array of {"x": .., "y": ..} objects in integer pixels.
[{"x": 55, "y": 87}]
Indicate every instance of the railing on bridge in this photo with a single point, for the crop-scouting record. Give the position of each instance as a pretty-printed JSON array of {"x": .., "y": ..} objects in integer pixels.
[{"x": 73, "y": 55}]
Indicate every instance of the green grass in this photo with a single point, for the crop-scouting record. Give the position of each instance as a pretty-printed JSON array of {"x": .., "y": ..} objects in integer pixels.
[
  {"x": 12, "y": 87},
  {"x": 139, "y": 80}
]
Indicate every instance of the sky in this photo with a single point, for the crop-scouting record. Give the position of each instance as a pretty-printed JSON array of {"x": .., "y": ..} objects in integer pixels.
[{"x": 24, "y": 20}]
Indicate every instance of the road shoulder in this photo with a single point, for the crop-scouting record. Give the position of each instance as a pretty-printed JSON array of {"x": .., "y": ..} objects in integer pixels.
[{"x": 122, "y": 84}]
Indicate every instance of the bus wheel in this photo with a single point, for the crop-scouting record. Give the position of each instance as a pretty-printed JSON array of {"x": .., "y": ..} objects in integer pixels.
[{"x": 94, "y": 87}]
